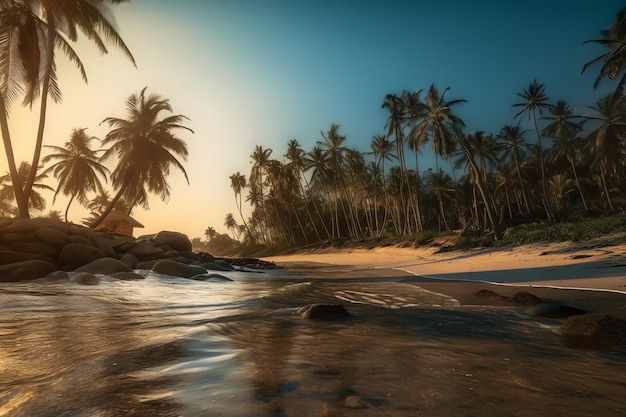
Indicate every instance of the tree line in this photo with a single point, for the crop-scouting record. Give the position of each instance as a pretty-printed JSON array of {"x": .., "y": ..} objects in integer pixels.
[{"x": 564, "y": 166}]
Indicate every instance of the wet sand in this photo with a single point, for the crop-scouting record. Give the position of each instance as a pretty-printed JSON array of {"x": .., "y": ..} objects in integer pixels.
[{"x": 589, "y": 275}]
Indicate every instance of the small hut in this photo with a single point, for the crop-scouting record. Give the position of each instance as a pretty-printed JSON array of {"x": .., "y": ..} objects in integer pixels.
[{"x": 119, "y": 222}]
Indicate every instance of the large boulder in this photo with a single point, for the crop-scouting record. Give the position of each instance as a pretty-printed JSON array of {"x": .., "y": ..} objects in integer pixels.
[
  {"x": 52, "y": 236},
  {"x": 106, "y": 266},
  {"x": 177, "y": 269},
  {"x": 593, "y": 331},
  {"x": 10, "y": 257},
  {"x": 174, "y": 240},
  {"x": 25, "y": 270},
  {"x": 74, "y": 255}
]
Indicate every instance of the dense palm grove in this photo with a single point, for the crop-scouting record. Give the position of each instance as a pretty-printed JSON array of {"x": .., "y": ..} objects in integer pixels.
[{"x": 548, "y": 164}]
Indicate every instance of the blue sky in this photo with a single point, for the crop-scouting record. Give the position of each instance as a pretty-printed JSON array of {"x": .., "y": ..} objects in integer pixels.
[{"x": 251, "y": 72}]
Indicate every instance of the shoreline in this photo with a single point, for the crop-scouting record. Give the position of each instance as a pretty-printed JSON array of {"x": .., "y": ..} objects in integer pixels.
[{"x": 590, "y": 275}]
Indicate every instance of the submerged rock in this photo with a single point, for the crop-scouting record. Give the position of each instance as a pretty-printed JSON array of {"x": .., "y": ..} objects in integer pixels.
[
  {"x": 525, "y": 298},
  {"x": 177, "y": 269},
  {"x": 86, "y": 278},
  {"x": 322, "y": 311},
  {"x": 553, "y": 310},
  {"x": 105, "y": 266},
  {"x": 593, "y": 331},
  {"x": 490, "y": 295}
]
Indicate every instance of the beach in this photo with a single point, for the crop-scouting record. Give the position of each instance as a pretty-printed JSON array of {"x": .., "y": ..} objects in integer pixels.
[
  {"x": 417, "y": 341},
  {"x": 587, "y": 273}
]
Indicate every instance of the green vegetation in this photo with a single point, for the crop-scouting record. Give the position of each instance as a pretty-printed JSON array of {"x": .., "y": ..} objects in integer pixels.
[{"x": 566, "y": 180}]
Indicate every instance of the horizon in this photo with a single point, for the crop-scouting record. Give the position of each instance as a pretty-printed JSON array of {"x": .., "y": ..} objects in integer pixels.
[{"x": 248, "y": 74}]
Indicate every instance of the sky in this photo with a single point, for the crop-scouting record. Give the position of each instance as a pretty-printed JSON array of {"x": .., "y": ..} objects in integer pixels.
[{"x": 252, "y": 72}]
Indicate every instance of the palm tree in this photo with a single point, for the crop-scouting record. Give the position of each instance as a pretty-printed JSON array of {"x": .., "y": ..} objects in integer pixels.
[
  {"x": 146, "y": 148},
  {"x": 36, "y": 200},
  {"x": 437, "y": 123},
  {"x": 514, "y": 146},
  {"x": 238, "y": 183},
  {"x": 231, "y": 223},
  {"x": 614, "y": 61},
  {"x": 209, "y": 233},
  {"x": 31, "y": 32},
  {"x": 563, "y": 131},
  {"x": 535, "y": 100},
  {"x": 606, "y": 143},
  {"x": 77, "y": 168},
  {"x": 260, "y": 159},
  {"x": 299, "y": 163}
]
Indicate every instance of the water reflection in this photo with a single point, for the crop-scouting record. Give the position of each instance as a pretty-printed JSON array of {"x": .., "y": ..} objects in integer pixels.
[{"x": 164, "y": 347}]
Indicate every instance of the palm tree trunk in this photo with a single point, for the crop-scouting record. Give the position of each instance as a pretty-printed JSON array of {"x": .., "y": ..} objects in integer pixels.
[
  {"x": 606, "y": 189},
  {"x": 18, "y": 191},
  {"x": 580, "y": 190},
  {"x": 495, "y": 227},
  {"x": 42, "y": 113},
  {"x": 109, "y": 208},
  {"x": 67, "y": 209}
]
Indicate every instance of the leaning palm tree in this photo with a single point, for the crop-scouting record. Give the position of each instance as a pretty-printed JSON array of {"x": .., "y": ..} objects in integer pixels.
[
  {"x": 613, "y": 61},
  {"x": 77, "y": 168},
  {"x": 30, "y": 33},
  {"x": 536, "y": 101},
  {"x": 35, "y": 200},
  {"x": 146, "y": 148}
]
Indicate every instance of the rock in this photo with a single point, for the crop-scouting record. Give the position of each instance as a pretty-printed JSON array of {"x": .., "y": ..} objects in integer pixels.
[
  {"x": 106, "y": 266},
  {"x": 212, "y": 277},
  {"x": 322, "y": 311},
  {"x": 42, "y": 249},
  {"x": 86, "y": 278},
  {"x": 354, "y": 401},
  {"x": 490, "y": 295},
  {"x": 173, "y": 240},
  {"x": 130, "y": 260},
  {"x": 74, "y": 255},
  {"x": 51, "y": 236},
  {"x": 177, "y": 269},
  {"x": 147, "y": 264},
  {"x": 593, "y": 331},
  {"x": 525, "y": 298},
  {"x": 145, "y": 250},
  {"x": 25, "y": 270},
  {"x": 127, "y": 276},
  {"x": 553, "y": 310},
  {"x": 57, "y": 276},
  {"x": 9, "y": 257},
  {"x": 214, "y": 266}
]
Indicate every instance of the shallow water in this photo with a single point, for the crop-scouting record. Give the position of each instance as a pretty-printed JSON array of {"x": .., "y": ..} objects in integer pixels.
[{"x": 174, "y": 347}]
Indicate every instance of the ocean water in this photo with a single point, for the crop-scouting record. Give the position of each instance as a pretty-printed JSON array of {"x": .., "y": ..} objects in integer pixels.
[{"x": 167, "y": 346}]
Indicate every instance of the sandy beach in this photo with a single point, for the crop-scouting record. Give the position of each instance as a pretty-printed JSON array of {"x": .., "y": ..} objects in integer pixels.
[{"x": 590, "y": 274}]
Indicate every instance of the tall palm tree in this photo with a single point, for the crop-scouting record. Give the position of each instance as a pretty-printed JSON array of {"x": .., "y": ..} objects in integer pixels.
[
  {"x": 146, "y": 147},
  {"x": 31, "y": 32},
  {"x": 514, "y": 146},
  {"x": 614, "y": 61},
  {"x": 260, "y": 161},
  {"x": 36, "y": 200},
  {"x": 437, "y": 123},
  {"x": 563, "y": 130},
  {"x": 298, "y": 162},
  {"x": 77, "y": 168},
  {"x": 536, "y": 101},
  {"x": 238, "y": 183},
  {"x": 606, "y": 140}
]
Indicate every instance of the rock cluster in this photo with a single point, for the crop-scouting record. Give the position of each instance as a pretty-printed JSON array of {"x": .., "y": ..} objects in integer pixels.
[
  {"x": 593, "y": 331},
  {"x": 36, "y": 248}
]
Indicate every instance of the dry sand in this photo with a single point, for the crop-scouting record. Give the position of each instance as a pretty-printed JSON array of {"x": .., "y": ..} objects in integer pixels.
[{"x": 554, "y": 271}]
